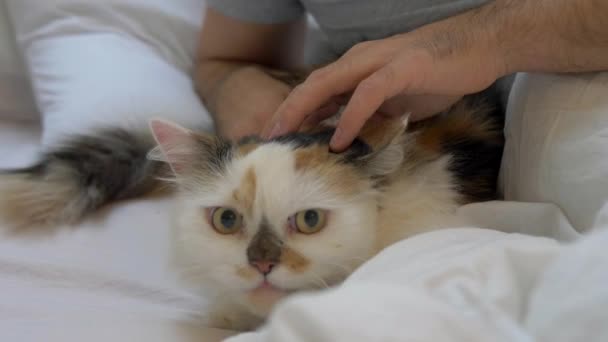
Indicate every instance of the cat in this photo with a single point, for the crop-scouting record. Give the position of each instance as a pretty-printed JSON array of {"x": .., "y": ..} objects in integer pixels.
[{"x": 257, "y": 220}]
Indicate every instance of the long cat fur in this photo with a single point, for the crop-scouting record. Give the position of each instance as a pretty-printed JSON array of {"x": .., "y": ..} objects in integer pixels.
[{"x": 411, "y": 181}]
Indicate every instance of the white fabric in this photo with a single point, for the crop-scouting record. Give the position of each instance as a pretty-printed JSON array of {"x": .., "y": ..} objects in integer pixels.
[
  {"x": 111, "y": 62},
  {"x": 458, "y": 285},
  {"x": 557, "y": 138},
  {"x": 15, "y": 92}
]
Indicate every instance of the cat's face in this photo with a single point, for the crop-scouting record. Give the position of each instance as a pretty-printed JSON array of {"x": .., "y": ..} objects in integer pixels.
[{"x": 259, "y": 220}]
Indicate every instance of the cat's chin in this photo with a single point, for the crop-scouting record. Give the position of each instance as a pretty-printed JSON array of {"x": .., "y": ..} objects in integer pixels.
[{"x": 262, "y": 298}]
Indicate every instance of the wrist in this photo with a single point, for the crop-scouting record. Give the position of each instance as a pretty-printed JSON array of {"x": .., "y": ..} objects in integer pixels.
[
  {"x": 488, "y": 26},
  {"x": 470, "y": 41},
  {"x": 210, "y": 75},
  {"x": 506, "y": 34}
]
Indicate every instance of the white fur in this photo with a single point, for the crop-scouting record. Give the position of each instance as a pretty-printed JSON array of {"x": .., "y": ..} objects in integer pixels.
[
  {"x": 418, "y": 200},
  {"x": 354, "y": 232}
]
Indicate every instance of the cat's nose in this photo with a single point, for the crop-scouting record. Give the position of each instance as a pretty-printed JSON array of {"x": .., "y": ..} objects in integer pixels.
[{"x": 263, "y": 267}]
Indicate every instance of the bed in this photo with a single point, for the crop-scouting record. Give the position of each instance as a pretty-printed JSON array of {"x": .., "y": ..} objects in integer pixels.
[{"x": 537, "y": 274}]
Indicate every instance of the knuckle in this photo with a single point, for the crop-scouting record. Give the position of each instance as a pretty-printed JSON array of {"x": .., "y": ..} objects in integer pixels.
[
  {"x": 371, "y": 84},
  {"x": 297, "y": 89},
  {"x": 388, "y": 79},
  {"x": 319, "y": 75},
  {"x": 359, "y": 47},
  {"x": 346, "y": 65},
  {"x": 300, "y": 92},
  {"x": 388, "y": 74}
]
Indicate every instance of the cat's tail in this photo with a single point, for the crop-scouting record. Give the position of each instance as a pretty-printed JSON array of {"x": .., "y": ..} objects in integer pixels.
[{"x": 78, "y": 177}]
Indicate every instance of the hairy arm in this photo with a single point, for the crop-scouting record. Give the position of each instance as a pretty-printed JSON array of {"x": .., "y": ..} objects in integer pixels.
[
  {"x": 450, "y": 58},
  {"x": 228, "y": 75},
  {"x": 549, "y": 35}
]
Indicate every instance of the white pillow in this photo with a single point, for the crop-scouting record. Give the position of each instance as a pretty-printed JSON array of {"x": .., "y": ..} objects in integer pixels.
[
  {"x": 557, "y": 144},
  {"x": 111, "y": 62},
  {"x": 16, "y": 98}
]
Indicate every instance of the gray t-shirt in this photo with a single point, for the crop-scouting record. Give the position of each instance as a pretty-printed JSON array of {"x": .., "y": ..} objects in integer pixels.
[{"x": 348, "y": 22}]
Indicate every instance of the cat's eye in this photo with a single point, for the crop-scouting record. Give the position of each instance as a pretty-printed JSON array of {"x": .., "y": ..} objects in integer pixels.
[
  {"x": 226, "y": 220},
  {"x": 309, "y": 221}
]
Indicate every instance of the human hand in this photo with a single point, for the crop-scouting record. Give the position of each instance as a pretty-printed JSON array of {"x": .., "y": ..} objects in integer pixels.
[{"x": 436, "y": 64}]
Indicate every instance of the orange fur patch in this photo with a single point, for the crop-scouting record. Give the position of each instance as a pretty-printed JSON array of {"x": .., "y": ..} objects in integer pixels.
[
  {"x": 461, "y": 120},
  {"x": 30, "y": 203},
  {"x": 294, "y": 260},
  {"x": 379, "y": 131},
  {"x": 311, "y": 157},
  {"x": 340, "y": 178},
  {"x": 245, "y": 149},
  {"x": 245, "y": 194}
]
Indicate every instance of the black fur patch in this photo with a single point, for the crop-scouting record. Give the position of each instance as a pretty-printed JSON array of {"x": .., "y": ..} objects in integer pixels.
[
  {"x": 216, "y": 155},
  {"x": 476, "y": 162},
  {"x": 250, "y": 139},
  {"x": 108, "y": 166},
  {"x": 113, "y": 162},
  {"x": 476, "y": 165}
]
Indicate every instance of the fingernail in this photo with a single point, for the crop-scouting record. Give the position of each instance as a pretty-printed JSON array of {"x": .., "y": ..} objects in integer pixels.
[
  {"x": 275, "y": 131},
  {"x": 335, "y": 140}
]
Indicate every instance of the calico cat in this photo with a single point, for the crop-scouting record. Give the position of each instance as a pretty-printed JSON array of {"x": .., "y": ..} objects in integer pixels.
[{"x": 259, "y": 219}]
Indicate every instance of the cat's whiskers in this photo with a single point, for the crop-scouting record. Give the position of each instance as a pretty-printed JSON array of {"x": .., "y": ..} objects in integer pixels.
[
  {"x": 353, "y": 258},
  {"x": 319, "y": 280},
  {"x": 198, "y": 271},
  {"x": 343, "y": 268}
]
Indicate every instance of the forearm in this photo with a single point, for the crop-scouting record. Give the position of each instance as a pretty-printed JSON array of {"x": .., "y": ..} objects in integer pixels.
[
  {"x": 209, "y": 77},
  {"x": 229, "y": 47},
  {"x": 548, "y": 35}
]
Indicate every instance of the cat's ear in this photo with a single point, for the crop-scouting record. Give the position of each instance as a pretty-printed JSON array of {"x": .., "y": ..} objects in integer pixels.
[
  {"x": 387, "y": 141},
  {"x": 380, "y": 130},
  {"x": 176, "y": 145}
]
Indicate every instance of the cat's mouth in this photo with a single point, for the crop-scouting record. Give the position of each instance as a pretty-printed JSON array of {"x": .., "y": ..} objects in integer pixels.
[
  {"x": 266, "y": 286},
  {"x": 266, "y": 294}
]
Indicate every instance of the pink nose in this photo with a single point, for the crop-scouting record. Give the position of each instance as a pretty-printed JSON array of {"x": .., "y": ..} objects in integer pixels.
[{"x": 263, "y": 267}]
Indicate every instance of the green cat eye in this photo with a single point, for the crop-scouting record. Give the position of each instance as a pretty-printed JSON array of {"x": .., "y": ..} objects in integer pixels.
[
  {"x": 226, "y": 220},
  {"x": 309, "y": 221}
]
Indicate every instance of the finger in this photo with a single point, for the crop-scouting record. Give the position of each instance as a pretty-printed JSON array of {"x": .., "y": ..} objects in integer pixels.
[
  {"x": 336, "y": 79},
  {"x": 367, "y": 98},
  {"x": 343, "y": 98},
  {"x": 314, "y": 117},
  {"x": 323, "y": 113}
]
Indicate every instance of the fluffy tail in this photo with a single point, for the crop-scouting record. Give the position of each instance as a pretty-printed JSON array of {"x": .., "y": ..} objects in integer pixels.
[{"x": 79, "y": 177}]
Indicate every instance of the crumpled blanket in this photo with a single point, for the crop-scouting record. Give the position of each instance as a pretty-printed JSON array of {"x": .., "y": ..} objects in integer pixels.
[{"x": 462, "y": 284}]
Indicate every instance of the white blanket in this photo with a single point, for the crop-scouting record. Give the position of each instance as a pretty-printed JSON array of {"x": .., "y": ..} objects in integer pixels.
[{"x": 459, "y": 285}]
